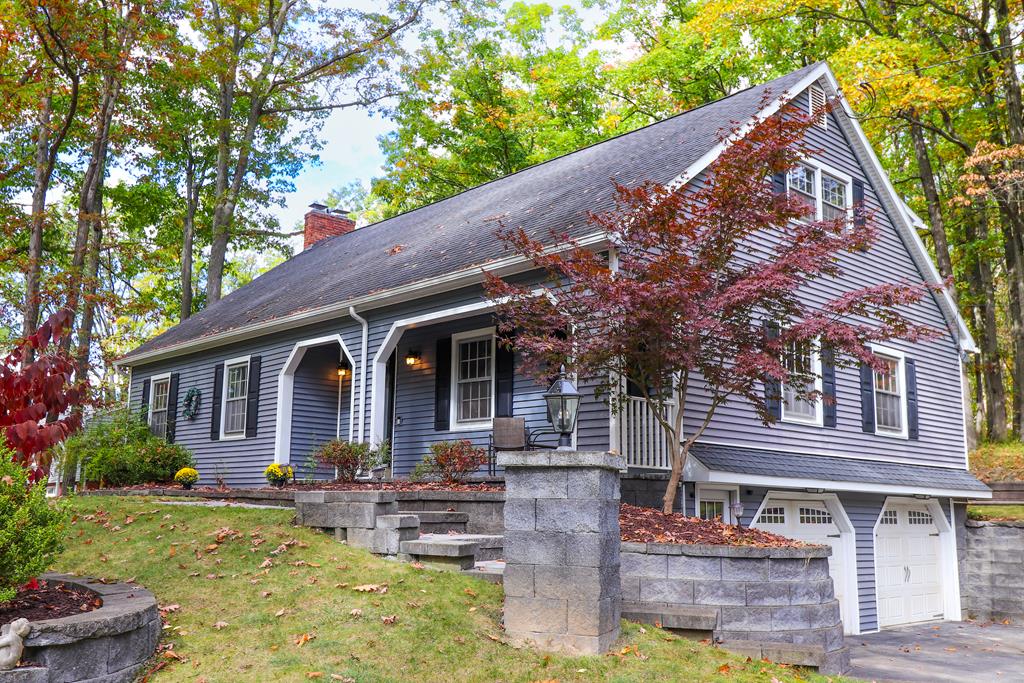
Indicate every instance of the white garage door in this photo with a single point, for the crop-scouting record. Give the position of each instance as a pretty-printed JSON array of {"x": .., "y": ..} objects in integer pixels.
[
  {"x": 810, "y": 521},
  {"x": 907, "y": 569}
]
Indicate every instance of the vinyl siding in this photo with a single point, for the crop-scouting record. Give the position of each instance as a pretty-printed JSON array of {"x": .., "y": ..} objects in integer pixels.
[
  {"x": 941, "y": 441},
  {"x": 319, "y": 412}
]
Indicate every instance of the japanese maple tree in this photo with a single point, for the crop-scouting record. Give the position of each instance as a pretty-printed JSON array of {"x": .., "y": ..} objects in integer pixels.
[
  {"x": 705, "y": 291},
  {"x": 38, "y": 394}
]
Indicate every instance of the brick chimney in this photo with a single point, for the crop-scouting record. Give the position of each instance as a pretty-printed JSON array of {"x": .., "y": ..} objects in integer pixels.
[{"x": 322, "y": 222}]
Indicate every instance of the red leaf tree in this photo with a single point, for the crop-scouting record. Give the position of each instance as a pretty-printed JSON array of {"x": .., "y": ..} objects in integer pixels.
[
  {"x": 705, "y": 291},
  {"x": 38, "y": 398}
]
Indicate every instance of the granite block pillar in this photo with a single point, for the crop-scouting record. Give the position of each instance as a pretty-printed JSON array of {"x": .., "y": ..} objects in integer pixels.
[{"x": 562, "y": 586}]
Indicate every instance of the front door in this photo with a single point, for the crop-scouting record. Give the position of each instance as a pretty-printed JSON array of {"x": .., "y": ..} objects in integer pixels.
[{"x": 907, "y": 566}]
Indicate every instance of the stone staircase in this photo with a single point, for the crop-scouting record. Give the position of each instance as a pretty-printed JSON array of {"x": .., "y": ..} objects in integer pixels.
[
  {"x": 441, "y": 522},
  {"x": 457, "y": 552}
]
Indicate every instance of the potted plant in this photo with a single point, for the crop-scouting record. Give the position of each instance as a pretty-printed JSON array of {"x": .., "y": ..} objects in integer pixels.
[
  {"x": 187, "y": 477},
  {"x": 277, "y": 475}
]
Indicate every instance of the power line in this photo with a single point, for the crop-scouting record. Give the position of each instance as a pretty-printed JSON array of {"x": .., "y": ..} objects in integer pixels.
[{"x": 867, "y": 83}]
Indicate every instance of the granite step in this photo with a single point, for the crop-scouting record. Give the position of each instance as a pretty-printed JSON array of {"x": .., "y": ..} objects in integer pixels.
[
  {"x": 488, "y": 570},
  {"x": 833, "y": 662},
  {"x": 442, "y": 521},
  {"x": 441, "y": 551}
]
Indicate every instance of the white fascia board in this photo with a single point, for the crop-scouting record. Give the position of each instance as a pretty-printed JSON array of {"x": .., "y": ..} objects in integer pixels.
[
  {"x": 416, "y": 290},
  {"x": 721, "y": 477}
]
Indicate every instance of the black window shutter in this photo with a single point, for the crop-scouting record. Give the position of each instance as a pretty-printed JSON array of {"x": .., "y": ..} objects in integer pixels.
[
  {"x": 773, "y": 387},
  {"x": 144, "y": 410},
  {"x": 779, "y": 183},
  {"x": 913, "y": 431},
  {"x": 252, "y": 407},
  {"x": 218, "y": 388},
  {"x": 504, "y": 379},
  {"x": 172, "y": 408},
  {"x": 867, "y": 398},
  {"x": 828, "y": 387},
  {"x": 443, "y": 384},
  {"x": 859, "y": 219}
]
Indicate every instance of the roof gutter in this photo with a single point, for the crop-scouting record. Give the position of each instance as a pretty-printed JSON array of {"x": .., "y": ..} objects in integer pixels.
[{"x": 415, "y": 290}]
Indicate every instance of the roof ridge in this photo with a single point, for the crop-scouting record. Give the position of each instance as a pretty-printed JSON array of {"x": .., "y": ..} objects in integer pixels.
[{"x": 574, "y": 151}]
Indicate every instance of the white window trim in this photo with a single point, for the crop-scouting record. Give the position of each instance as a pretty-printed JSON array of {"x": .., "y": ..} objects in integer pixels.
[
  {"x": 241, "y": 360},
  {"x": 149, "y": 402},
  {"x": 820, "y": 167},
  {"x": 727, "y": 494},
  {"x": 819, "y": 415},
  {"x": 901, "y": 377},
  {"x": 454, "y": 423}
]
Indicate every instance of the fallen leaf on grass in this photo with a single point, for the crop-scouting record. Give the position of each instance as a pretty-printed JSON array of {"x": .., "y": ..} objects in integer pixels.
[
  {"x": 356, "y": 613},
  {"x": 267, "y": 564},
  {"x": 343, "y": 679},
  {"x": 266, "y": 594},
  {"x": 221, "y": 624},
  {"x": 279, "y": 613},
  {"x": 390, "y": 620},
  {"x": 371, "y": 588},
  {"x": 304, "y": 638},
  {"x": 314, "y": 674},
  {"x": 724, "y": 669},
  {"x": 470, "y": 592}
]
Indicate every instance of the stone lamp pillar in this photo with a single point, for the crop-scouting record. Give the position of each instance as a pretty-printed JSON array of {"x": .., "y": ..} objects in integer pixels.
[{"x": 562, "y": 588}]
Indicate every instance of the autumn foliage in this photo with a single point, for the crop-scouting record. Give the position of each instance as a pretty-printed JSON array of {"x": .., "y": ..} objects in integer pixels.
[
  {"x": 697, "y": 278},
  {"x": 646, "y": 525},
  {"x": 36, "y": 381}
]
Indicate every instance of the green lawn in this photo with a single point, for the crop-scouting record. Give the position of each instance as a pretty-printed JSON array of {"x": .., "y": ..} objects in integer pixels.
[
  {"x": 231, "y": 616},
  {"x": 1000, "y": 512}
]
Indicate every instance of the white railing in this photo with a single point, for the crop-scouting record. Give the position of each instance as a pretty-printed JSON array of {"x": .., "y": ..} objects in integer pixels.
[{"x": 641, "y": 437}]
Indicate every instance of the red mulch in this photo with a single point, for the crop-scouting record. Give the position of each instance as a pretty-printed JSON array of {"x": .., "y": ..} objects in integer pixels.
[
  {"x": 396, "y": 485},
  {"x": 648, "y": 525},
  {"x": 49, "y": 601}
]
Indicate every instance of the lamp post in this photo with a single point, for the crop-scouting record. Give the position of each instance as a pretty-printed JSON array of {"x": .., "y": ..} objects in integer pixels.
[
  {"x": 737, "y": 507},
  {"x": 563, "y": 401}
]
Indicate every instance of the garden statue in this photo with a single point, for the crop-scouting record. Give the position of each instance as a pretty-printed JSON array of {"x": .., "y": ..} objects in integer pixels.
[{"x": 13, "y": 643}]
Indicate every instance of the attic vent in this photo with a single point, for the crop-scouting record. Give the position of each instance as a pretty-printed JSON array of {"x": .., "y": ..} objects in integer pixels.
[{"x": 815, "y": 103}]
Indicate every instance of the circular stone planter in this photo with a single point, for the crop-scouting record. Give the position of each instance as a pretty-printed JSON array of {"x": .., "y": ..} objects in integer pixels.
[{"x": 107, "y": 645}]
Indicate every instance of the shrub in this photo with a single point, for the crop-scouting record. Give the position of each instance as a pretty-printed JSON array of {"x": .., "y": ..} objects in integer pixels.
[
  {"x": 117, "y": 449},
  {"x": 450, "y": 461},
  {"x": 350, "y": 459},
  {"x": 186, "y": 476},
  {"x": 277, "y": 474},
  {"x": 31, "y": 528}
]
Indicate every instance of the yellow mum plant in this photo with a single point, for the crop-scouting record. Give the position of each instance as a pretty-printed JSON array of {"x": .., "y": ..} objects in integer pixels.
[
  {"x": 186, "y": 476},
  {"x": 276, "y": 474}
]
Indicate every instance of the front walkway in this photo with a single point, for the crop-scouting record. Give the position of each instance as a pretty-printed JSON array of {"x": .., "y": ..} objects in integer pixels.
[{"x": 939, "y": 652}]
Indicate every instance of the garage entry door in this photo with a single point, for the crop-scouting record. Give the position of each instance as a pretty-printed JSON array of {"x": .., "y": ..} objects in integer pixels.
[
  {"x": 907, "y": 570},
  {"x": 810, "y": 521}
]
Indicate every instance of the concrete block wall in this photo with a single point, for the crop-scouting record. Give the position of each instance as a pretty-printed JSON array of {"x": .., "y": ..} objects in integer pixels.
[
  {"x": 761, "y": 595},
  {"x": 992, "y": 570},
  {"x": 363, "y": 519},
  {"x": 562, "y": 550}
]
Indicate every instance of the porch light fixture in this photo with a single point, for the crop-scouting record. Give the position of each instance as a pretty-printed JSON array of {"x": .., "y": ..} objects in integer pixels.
[
  {"x": 563, "y": 401},
  {"x": 412, "y": 357},
  {"x": 342, "y": 369},
  {"x": 736, "y": 507}
]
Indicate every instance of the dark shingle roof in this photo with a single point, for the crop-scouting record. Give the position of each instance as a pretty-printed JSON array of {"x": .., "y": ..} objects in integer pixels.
[
  {"x": 458, "y": 232},
  {"x": 830, "y": 468}
]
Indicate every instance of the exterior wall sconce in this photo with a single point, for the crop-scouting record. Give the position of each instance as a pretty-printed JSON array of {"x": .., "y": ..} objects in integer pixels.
[
  {"x": 412, "y": 357},
  {"x": 343, "y": 369},
  {"x": 737, "y": 507}
]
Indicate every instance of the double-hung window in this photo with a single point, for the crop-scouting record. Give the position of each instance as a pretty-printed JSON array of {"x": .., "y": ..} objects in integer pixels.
[
  {"x": 160, "y": 389},
  {"x": 473, "y": 377},
  {"x": 828, "y": 192},
  {"x": 803, "y": 364},
  {"x": 236, "y": 393},
  {"x": 890, "y": 396}
]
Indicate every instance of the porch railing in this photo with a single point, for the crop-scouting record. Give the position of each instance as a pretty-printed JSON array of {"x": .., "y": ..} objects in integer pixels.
[{"x": 641, "y": 437}]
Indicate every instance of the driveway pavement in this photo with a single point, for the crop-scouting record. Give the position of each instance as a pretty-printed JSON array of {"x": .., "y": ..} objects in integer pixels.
[{"x": 940, "y": 652}]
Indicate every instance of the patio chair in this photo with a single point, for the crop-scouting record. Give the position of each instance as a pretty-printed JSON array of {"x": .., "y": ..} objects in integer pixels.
[{"x": 511, "y": 434}]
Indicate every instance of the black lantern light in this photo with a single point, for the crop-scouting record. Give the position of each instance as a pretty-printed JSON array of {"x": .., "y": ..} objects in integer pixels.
[
  {"x": 343, "y": 369},
  {"x": 563, "y": 402}
]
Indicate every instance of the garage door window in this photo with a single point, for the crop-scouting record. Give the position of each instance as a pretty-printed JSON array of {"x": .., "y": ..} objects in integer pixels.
[
  {"x": 918, "y": 517},
  {"x": 814, "y": 516},
  {"x": 889, "y": 517},
  {"x": 772, "y": 515}
]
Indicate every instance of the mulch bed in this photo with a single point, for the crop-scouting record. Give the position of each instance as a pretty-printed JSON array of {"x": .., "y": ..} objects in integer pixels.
[
  {"x": 397, "y": 485},
  {"x": 48, "y": 601},
  {"x": 648, "y": 525}
]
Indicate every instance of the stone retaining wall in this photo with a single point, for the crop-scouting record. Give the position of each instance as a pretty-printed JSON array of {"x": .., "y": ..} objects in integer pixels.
[
  {"x": 992, "y": 570},
  {"x": 757, "y": 596},
  {"x": 107, "y": 645},
  {"x": 485, "y": 508}
]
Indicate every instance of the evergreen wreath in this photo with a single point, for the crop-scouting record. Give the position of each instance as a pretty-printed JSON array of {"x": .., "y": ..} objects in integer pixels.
[{"x": 191, "y": 407}]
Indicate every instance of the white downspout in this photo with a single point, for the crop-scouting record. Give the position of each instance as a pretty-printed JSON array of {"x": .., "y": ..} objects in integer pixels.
[{"x": 362, "y": 369}]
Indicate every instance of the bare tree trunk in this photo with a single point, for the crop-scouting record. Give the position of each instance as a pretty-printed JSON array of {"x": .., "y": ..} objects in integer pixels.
[
  {"x": 90, "y": 286},
  {"x": 40, "y": 186},
  {"x": 937, "y": 224},
  {"x": 991, "y": 391},
  {"x": 188, "y": 236}
]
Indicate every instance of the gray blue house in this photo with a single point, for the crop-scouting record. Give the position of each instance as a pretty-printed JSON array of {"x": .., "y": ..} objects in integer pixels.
[{"x": 384, "y": 332}]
